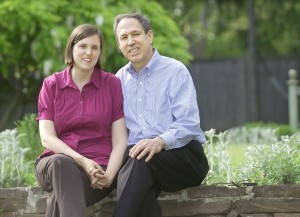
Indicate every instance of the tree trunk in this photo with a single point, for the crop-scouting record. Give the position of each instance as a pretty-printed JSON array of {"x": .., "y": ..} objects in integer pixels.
[
  {"x": 198, "y": 46},
  {"x": 251, "y": 63}
]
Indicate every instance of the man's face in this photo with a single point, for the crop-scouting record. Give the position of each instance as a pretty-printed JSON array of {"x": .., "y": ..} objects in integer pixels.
[{"x": 134, "y": 43}]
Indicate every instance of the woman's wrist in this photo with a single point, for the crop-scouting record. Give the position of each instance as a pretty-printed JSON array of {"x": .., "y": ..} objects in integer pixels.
[{"x": 79, "y": 159}]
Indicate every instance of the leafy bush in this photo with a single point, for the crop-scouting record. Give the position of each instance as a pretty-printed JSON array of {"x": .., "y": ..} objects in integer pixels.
[
  {"x": 275, "y": 162},
  {"x": 280, "y": 129},
  {"x": 218, "y": 157},
  {"x": 14, "y": 169},
  {"x": 255, "y": 135},
  {"x": 29, "y": 127},
  {"x": 269, "y": 159}
]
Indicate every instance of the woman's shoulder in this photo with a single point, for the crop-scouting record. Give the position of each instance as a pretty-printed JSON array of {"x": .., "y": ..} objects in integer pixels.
[
  {"x": 56, "y": 77},
  {"x": 109, "y": 76}
]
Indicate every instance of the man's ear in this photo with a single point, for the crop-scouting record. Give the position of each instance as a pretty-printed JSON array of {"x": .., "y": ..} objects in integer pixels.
[
  {"x": 118, "y": 43},
  {"x": 150, "y": 36}
]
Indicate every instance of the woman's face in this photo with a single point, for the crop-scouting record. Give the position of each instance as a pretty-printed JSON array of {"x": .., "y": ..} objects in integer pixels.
[{"x": 86, "y": 53}]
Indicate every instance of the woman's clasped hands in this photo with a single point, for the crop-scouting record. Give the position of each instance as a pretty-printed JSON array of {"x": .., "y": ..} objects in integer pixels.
[{"x": 99, "y": 177}]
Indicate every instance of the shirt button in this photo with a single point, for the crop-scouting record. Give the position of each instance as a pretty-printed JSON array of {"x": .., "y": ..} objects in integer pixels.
[
  {"x": 140, "y": 116},
  {"x": 140, "y": 100},
  {"x": 144, "y": 128},
  {"x": 141, "y": 82}
]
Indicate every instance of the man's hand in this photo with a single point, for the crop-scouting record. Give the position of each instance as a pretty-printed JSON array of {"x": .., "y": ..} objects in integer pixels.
[{"x": 147, "y": 146}]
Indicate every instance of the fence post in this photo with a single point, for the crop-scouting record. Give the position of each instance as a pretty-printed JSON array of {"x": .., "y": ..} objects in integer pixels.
[{"x": 293, "y": 99}]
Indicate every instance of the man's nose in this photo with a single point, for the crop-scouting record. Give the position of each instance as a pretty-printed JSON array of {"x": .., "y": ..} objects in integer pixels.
[{"x": 131, "y": 40}]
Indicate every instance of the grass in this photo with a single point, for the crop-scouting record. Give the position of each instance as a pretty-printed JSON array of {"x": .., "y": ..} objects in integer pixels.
[{"x": 237, "y": 153}]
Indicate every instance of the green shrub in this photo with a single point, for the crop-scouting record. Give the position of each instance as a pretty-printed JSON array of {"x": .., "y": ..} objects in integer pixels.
[
  {"x": 284, "y": 130},
  {"x": 218, "y": 157},
  {"x": 282, "y": 169},
  {"x": 15, "y": 170},
  {"x": 275, "y": 162},
  {"x": 269, "y": 158},
  {"x": 280, "y": 129},
  {"x": 282, "y": 162},
  {"x": 29, "y": 127}
]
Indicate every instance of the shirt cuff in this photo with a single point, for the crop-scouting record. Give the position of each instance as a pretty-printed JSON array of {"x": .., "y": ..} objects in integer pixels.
[{"x": 169, "y": 140}]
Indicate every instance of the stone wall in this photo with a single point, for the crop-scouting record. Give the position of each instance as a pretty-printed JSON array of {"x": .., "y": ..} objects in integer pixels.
[{"x": 208, "y": 201}]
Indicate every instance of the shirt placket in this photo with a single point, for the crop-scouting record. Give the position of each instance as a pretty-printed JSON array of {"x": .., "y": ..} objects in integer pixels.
[
  {"x": 81, "y": 116},
  {"x": 140, "y": 103}
]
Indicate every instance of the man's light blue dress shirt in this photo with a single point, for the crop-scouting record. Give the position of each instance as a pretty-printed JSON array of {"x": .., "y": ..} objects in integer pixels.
[{"x": 161, "y": 100}]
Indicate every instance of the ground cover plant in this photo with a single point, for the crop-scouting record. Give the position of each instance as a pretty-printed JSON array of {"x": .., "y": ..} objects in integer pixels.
[
  {"x": 256, "y": 153},
  {"x": 15, "y": 170}
]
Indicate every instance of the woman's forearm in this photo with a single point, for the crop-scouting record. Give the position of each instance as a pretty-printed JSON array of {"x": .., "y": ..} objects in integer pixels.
[
  {"x": 115, "y": 162},
  {"x": 119, "y": 144}
]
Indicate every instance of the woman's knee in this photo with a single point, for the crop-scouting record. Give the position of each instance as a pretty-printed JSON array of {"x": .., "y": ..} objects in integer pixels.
[
  {"x": 61, "y": 158},
  {"x": 63, "y": 163}
]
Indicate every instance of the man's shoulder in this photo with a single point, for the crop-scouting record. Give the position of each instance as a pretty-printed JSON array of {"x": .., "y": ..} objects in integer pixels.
[
  {"x": 166, "y": 60},
  {"x": 121, "y": 72},
  {"x": 171, "y": 65}
]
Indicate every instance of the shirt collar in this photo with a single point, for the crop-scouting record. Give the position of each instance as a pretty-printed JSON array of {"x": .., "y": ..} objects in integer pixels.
[
  {"x": 150, "y": 65},
  {"x": 96, "y": 77},
  {"x": 67, "y": 79}
]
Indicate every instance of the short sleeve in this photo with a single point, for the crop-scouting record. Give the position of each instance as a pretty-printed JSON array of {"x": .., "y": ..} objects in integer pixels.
[
  {"x": 118, "y": 112},
  {"x": 46, "y": 101}
]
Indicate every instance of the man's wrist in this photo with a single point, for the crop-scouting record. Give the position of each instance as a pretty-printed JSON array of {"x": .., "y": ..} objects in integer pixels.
[{"x": 160, "y": 142}]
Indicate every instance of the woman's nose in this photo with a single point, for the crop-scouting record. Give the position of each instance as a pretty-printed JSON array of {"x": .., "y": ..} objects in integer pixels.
[{"x": 88, "y": 50}]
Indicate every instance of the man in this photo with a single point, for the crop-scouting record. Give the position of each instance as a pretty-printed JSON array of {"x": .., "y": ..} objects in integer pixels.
[{"x": 165, "y": 140}]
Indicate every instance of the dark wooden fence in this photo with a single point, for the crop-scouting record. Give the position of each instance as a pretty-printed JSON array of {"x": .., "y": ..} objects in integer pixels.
[{"x": 222, "y": 90}]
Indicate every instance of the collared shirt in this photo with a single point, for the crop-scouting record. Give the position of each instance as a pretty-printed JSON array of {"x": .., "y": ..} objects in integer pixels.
[
  {"x": 82, "y": 119},
  {"x": 161, "y": 100}
]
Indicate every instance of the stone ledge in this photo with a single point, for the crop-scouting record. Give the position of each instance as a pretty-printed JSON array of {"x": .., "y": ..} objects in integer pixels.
[{"x": 207, "y": 201}]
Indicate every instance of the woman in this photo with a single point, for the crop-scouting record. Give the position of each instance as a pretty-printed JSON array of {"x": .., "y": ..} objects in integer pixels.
[{"x": 82, "y": 127}]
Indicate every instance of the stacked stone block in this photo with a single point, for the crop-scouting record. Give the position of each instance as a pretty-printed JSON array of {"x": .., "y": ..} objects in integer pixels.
[{"x": 203, "y": 201}]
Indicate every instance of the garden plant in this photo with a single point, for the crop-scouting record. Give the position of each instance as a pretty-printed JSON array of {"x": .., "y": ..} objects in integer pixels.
[
  {"x": 254, "y": 154},
  {"x": 270, "y": 157}
]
